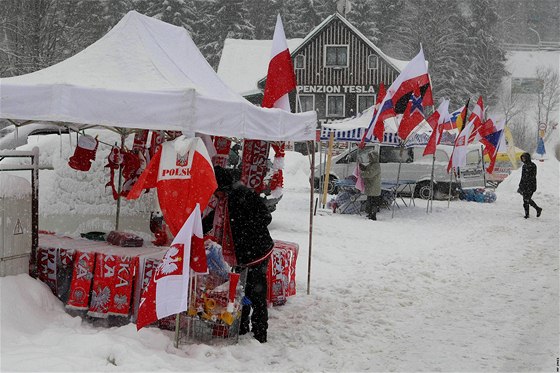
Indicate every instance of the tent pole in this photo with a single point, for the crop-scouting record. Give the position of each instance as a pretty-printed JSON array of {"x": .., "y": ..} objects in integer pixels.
[
  {"x": 450, "y": 182},
  {"x": 312, "y": 143},
  {"x": 119, "y": 187},
  {"x": 327, "y": 169},
  {"x": 483, "y": 165}
]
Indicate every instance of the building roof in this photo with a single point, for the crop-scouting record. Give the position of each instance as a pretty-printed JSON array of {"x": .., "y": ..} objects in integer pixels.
[{"x": 245, "y": 62}]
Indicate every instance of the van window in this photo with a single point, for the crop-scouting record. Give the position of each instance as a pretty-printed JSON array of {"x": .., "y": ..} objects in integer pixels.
[
  {"x": 389, "y": 154},
  {"x": 473, "y": 157},
  {"x": 441, "y": 156}
]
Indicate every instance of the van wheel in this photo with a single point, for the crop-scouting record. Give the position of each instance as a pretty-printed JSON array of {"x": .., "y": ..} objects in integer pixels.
[{"x": 422, "y": 190}]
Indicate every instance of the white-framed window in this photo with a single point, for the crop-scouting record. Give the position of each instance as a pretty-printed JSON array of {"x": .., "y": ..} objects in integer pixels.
[
  {"x": 305, "y": 103},
  {"x": 372, "y": 62},
  {"x": 335, "y": 105},
  {"x": 299, "y": 62},
  {"x": 363, "y": 102},
  {"x": 336, "y": 56}
]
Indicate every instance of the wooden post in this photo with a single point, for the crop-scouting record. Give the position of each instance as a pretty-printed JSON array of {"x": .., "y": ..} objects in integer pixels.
[{"x": 327, "y": 169}]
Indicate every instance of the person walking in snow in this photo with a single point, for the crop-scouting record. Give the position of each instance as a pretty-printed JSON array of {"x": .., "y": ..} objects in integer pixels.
[
  {"x": 249, "y": 219},
  {"x": 371, "y": 174},
  {"x": 528, "y": 184}
]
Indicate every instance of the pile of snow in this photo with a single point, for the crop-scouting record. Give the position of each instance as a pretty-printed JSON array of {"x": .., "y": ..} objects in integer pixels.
[
  {"x": 469, "y": 287},
  {"x": 13, "y": 186}
]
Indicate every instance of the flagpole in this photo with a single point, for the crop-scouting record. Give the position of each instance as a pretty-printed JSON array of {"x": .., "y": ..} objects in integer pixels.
[
  {"x": 483, "y": 166},
  {"x": 430, "y": 199},
  {"x": 398, "y": 179},
  {"x": 311, "y": 214},
  {"x": 450, "y": 182},
  {"x": 327, "y": 169}
]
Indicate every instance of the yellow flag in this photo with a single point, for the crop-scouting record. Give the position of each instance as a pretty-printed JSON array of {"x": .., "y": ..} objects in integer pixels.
[{"x": 510, "y": 148}]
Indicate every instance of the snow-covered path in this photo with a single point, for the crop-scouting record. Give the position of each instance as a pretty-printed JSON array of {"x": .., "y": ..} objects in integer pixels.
[{"x": 472, "y": 287}]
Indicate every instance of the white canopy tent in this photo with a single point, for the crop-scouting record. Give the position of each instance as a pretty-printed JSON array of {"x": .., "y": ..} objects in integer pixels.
[
  {"x": 145, "y": 74},
  {"x": 352, "y": 130}
]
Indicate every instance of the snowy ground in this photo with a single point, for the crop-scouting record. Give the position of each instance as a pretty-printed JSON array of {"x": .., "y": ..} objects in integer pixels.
[{"x": 472, "y": 287}]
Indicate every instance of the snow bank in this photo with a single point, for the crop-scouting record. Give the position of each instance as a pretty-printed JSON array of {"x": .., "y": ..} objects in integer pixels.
[{"x": 13, "y": 186}]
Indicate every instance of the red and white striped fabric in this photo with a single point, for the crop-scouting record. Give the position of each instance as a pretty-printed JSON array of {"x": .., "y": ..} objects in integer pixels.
[
  {"x": 280, "y": 80},
  {"x": 168, "y": 289}
]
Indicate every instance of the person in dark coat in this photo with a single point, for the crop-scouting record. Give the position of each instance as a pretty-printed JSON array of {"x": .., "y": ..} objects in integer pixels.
[
  {"x": 371, "y": 174},
  {"x": 528, "y": 184},
  {"x": 249, "y": 219}
]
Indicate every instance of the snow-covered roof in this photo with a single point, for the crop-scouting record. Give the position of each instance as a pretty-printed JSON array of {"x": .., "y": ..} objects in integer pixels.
[
  {"x": 245, "y": 62},
  {"x": 145, "y": 73},
  {"x": 397, "y": 64},
  {"x": 523, "y": 64}
]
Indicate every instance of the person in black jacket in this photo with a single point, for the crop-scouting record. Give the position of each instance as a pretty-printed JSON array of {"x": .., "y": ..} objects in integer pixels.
[
  {"x": 528, "y": 184},
  {"x": 249, "y": 219}
]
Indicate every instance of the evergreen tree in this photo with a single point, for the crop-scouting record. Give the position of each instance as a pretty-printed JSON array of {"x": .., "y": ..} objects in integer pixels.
[
  {"x": 363, "y": 16},
  {"x": 485, "y": 51},
  {"x": 299, "y": 18},
  {"x": 264, "y": 22}
]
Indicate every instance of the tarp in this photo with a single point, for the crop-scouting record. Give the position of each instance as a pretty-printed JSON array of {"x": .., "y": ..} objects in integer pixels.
[
  {"x": 353, "y": 130},
  {"x": 145, "y": 73}
]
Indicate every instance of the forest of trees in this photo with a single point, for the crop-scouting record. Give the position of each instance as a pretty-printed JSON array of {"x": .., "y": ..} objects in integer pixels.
[{"x": 462, "y": 40}]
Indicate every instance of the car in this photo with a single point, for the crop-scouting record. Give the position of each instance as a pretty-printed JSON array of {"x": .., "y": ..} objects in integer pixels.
[{"x": 412, "y": 167}]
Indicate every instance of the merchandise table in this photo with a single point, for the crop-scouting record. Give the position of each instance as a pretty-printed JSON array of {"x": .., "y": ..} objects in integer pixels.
[
  {"x": 94, "y": 276},
  {"x": 103, "y": 280}
]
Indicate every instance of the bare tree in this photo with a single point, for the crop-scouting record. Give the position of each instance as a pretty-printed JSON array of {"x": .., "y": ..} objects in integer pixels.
[
  {"x": 548, "y": 99},
  {"x": 523, "y": 134}
]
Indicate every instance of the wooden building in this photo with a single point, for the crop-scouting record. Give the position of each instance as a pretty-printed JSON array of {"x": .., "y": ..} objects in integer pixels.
[{"x": 338, "y": 69}]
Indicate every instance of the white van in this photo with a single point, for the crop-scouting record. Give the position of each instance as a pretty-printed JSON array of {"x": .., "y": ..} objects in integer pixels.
[{"x": 414, "y": 167}]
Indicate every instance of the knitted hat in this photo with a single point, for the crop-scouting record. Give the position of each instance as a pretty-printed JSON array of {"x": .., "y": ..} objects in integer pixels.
[{"x": 223, "y": 177}]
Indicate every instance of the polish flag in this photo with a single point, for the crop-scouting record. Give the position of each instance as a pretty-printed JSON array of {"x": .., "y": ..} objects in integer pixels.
[
  {"x": 280, "y": 81},
  {"x": 168, "y": 290},
  {"x": 436, "y": 120}
]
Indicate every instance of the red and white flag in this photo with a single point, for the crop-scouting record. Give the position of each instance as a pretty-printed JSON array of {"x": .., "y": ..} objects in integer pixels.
[
  {"x": 377, "y": 130},
  {"x": 436, "y": 120},
  {"x": 413, "y": 79},
  {"x": 183, "y": 174},
  {"x": 168, "y": 290},
  {"x": 280, "y": 81},
  {"x": 459, "y": 155},
  {"x": 478, "y": 118}
]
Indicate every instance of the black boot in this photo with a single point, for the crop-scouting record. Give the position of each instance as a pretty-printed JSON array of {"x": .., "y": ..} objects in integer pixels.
[
  {"x": 526, "y": 207},
  {"x": 539, "y": 210}
]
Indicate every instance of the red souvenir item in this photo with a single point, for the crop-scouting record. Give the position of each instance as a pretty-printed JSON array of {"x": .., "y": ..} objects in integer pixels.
[
  {"x": 222, "y": 145},
  {"x": 81, "y": 280},
  {"x": 281, "y": 273},
  {"x": 124, "y": 239},
  {"x": 84, "y": 153},
  {"x": 254, "y": 164}
]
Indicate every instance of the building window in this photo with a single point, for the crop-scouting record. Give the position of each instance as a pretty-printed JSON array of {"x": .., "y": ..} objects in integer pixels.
[
  {"x": 372, "y": 62},
  {"x": 305, "y": 103},
  {"x": 336, "y": 55},
  {"x": 299, "y": 62},
  {"x": 335, "y": 105},
  {"x": 364, "y": 102}
]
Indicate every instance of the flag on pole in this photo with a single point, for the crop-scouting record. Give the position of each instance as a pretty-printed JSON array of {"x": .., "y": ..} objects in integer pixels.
[
  {"x": 435, "y": 121},
  {"x": 412, "y": 117},
  {"x": 280, "y": 81},
  {"x": 413, "y": 79},
  {"x": 379, "y": 129},
  {"x": 462, "y": 117},
  {"x": 492, "y": 138},
  {"x": 459, "y": 155},
  {"x": 478, "y": 116},
  {"x": 168, "y": 289}
]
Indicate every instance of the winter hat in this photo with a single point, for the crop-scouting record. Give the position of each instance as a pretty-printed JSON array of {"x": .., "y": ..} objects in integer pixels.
[{"x": 223, "y": 177}]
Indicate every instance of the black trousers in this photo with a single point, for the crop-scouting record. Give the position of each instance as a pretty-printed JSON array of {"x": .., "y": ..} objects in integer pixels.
[
  {"x": 256, "y": 289},
  {"x": 528, "y": 201},
  {"x": 372, "y": 205}
]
